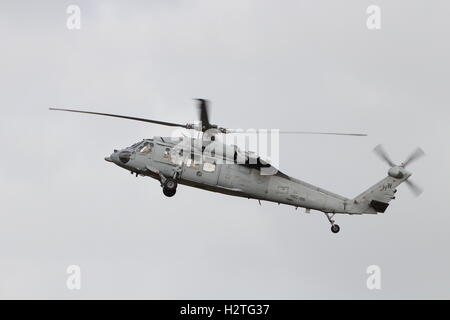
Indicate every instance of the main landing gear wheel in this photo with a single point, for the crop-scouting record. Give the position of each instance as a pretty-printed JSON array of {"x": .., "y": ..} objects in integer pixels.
[
  {"x": 169, "y": 193},
  {"x": 335, "y": 228},
  {"x": 170, "y": 187},
  {"x": 170, "y": 184}
]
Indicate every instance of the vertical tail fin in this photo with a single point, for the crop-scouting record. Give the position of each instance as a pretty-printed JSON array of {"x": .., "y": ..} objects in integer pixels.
[{"x": 376, "y": 198}]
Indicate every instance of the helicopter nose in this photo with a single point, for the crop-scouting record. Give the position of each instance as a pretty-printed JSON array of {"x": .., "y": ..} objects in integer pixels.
[
  {"x": 114, "y": 157},
  {"x": 119, "y": 157}
]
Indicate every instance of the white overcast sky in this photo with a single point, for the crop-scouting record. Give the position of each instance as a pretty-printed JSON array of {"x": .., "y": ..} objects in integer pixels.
[{"x": 293, "y": 65}]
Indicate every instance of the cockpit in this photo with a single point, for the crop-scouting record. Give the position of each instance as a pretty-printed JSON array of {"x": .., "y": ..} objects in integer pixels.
[{"x": 143, "y": 147}]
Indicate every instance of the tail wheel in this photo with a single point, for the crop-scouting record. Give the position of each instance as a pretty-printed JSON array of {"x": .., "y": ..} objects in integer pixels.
[{"x": 335, "y": 228}]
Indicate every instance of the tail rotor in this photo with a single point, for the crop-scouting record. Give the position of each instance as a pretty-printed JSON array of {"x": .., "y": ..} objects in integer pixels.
[{"x": 398, "y": 171}]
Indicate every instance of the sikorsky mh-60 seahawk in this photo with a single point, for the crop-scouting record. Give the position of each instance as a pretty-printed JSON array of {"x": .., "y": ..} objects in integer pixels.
[{"x": 209, "y": 164}]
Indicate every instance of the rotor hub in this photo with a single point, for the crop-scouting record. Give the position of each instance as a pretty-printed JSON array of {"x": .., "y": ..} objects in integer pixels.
[{"x": 398, "y": 172}]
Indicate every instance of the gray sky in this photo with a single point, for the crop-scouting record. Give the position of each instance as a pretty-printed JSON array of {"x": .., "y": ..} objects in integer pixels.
[{"x": 293, "y": 65}]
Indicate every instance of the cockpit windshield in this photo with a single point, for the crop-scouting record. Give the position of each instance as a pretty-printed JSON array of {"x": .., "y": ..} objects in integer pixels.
[
  {"x": 143, "y": 147},
  {"x": 135, "y": 145}
]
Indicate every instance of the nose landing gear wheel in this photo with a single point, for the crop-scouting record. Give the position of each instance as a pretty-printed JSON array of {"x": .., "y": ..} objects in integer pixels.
[{"x": 335, "y": 228}]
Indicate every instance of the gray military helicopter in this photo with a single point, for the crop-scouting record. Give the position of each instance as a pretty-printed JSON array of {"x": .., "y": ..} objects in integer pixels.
[{"x": 208, "y": 164}]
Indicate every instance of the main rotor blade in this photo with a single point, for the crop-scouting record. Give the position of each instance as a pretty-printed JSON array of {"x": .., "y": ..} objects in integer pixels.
[
  {"x": 170, "y": 124},
  {"x": 415, "y": 189},
  {"x": 379, "y": 150},
  {"x": 416, "y": 154},
  {"x": 302, "y": 132},
  {"x": 203, "y": 107},
  {"x": 326, "y": 133}
]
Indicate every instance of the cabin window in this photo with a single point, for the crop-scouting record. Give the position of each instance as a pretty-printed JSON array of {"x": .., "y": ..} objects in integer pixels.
[
  {"x": 167, "y": 153},
  {"x": 194, "y": 161},
  {"x": 209, "y": 167},
  {"x": 197, "y": 160}
]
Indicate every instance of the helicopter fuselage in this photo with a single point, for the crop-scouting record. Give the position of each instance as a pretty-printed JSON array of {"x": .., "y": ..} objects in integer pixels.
[{"x": 160, "y": 159}]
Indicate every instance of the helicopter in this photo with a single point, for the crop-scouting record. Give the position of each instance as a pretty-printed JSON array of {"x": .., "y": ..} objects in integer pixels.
[{"x": 204, "y": 162}]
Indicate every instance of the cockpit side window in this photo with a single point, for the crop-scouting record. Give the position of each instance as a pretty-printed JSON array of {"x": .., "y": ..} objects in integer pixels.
[{"x": 145, "y": 148}]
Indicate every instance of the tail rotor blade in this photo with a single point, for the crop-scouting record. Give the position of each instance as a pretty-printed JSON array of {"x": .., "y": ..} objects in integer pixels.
[
  {"x": 415, "y": 189},
  {"x": 416, "y": 154},
  {"x": 379, "y": 151}
]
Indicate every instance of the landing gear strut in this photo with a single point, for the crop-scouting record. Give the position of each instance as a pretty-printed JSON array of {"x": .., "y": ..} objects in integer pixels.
[
  {"x": 169, "y": 185},
  {"x": 334, "y": 227}
]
